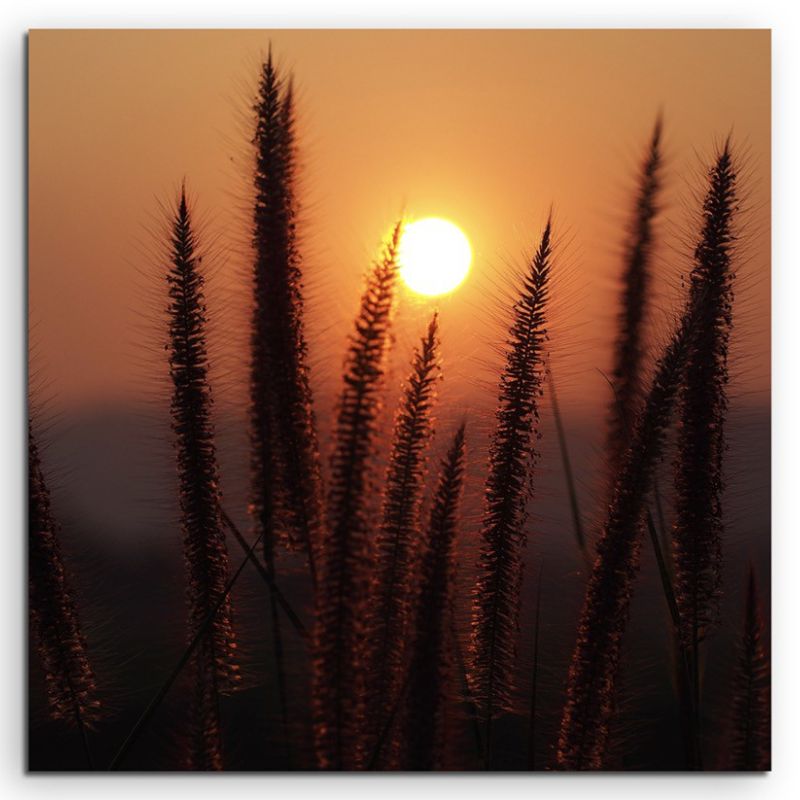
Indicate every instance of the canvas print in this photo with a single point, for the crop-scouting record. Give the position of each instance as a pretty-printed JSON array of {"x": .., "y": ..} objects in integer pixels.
[{"x": 399, "y": 400}]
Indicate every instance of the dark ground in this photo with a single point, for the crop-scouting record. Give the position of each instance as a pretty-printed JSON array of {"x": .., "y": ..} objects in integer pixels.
[{"x": 113, "y": 489}]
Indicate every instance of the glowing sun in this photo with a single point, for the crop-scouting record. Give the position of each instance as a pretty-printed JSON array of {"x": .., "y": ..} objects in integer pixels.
[{"x": 434, "y": 256}]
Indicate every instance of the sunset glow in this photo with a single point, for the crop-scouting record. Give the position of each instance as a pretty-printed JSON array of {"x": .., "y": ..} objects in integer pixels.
[
  {"x": 435, "y": 256},
  {"x": 335, "y": 337}
]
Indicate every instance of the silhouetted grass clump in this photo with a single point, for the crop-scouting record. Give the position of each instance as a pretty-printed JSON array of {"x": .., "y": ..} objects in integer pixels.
[
  {"x": 693, "y": 367},
  {"x": 344, "y": 567},
  {"x": 496, "y": 603},
  {"x": 593, "y": 671},
  {"x": 385, "y": 658}
]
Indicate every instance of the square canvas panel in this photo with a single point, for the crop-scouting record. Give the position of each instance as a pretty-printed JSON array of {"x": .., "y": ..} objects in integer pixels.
[{"x": 399, "y": 400}]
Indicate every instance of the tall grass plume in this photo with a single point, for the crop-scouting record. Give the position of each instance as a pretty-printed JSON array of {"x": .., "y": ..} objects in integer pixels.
[
  {"x": 697, "y": 531},
  {"x": 398, "y": 536},
  {"x": 345, "y": 554},
  {"x": 205, "y": 550},
  {"x": 422, "y": 718},
  {"x": 591, "y": 680},
  {"x": 627, "y": 373},
  {"x": 70, "y": 684},
  {"x": 284, "y": 441},
  {"x": 496, "y": 603}
]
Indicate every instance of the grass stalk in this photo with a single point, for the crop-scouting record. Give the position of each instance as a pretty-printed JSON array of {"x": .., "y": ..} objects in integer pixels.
[
  {"x": 279, "y": 373},
  {"x": 577, "y": 523},
  {"x": 272, "y": 586},
  {"x": 340, "y": 609},
  {"x": 158, "y": 697},
  {"x": 70, "y": 682},
  {"x": 697, "y": 531},
  {"x": 535, "y": 675},
  {"x": 204, "y": 546},
  {"x": 421, "y": 736},
  {"x": 399, "y": 537},
  {"x": 593, "y": 671},
  {"x": 627, "y": 371},
  {"x": 495, "y": 608}
]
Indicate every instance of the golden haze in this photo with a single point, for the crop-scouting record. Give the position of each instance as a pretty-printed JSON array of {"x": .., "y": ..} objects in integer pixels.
[{"x": 484, "y": 127}]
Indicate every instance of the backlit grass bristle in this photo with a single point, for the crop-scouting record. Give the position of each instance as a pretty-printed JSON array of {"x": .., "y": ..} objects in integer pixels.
[
  {"x": 345, "y": 555},
  {"x": 389, "y": 604},
  {"x": 591, "y": 681},
  {"x": 421, "y": 724},
  {"x": 285, "y": 451},
  {"x": 698, "y": 527},
  {"x": 285, "y": 478},
  {"x": 205, "y": 549},
  {"x": 703, "y": 405},
  {"x": 496, "y": 597},
  {"x": 398, "y": 537},
  {"x": 627, "y": 373}
]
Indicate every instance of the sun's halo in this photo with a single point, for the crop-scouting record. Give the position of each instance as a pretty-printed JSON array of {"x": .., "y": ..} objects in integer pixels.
[{"x": 434, "y": 256}]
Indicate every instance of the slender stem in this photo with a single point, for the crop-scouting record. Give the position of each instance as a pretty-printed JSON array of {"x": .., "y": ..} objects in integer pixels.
[
  {"x": 663, "y": 571},
  {"x": 279, "y": 664},
  {"x": 268, "y": 579},
  {"x": 534, "y": 681},
  {"x": 685, "y": 665},
  {"x": 277, "y": 647},
  {"x": 695, "y": 689},
  {"x": 85, "y": 741},
  {"x": 78, "y": 717},
  {"x": 76, "y": 708},
  {"x": 662, "y": 528},
  {"x": 568, "y": 474},
  {"x": 159, "y": 696},
  {"x": 487, "y": 757},
  {"x": 387, "y": 726},
  {"x": 468, "y": 698}
]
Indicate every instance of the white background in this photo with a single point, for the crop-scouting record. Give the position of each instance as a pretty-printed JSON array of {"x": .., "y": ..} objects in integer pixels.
[{"x": 784, "y": 782}]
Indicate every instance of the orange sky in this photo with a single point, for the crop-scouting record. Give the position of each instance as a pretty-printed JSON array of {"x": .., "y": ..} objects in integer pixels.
[{"x": 487, "y": 128}]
